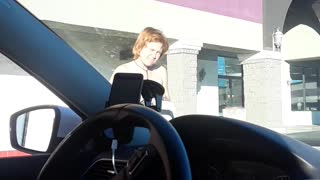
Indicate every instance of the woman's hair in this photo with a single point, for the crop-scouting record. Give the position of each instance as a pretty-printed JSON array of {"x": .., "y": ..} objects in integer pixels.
[{"x": 149, "y": 34}]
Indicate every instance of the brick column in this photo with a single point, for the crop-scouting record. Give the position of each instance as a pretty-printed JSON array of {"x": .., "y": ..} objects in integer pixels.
[
  {"x": 266, "y": 90},
  {"x": 182, "y": 75}
]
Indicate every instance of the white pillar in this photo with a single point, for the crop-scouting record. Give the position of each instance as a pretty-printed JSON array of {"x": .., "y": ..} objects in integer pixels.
[
  {"x": 266, "y": 89},
  {"x": 182, "y": 75}
]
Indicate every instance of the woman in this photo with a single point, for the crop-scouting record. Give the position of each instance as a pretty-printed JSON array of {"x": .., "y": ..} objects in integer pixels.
[{"x": 149, "y": 47}]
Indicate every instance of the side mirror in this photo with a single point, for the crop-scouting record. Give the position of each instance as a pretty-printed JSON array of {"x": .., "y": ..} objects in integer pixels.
[{"x": 37, "y": 129}]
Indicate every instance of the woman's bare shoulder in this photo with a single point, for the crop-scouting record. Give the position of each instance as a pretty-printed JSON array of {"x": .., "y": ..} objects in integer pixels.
[
  {"x": 162, "y": 69},
  {"x": 124, "y": 67}
]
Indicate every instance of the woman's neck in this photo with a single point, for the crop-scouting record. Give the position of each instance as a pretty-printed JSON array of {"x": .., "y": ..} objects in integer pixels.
[{"x": 141, "y": 65}]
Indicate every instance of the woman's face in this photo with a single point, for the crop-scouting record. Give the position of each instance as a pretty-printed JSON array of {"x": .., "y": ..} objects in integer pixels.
[{"x": 151, "y": 53}]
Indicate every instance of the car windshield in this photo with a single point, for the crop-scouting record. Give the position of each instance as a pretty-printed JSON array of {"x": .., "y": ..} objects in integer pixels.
[{"x": 255, "y": 61}]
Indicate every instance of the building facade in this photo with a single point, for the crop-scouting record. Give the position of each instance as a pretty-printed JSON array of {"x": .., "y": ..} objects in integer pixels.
[{"x": 221, "y": 59}]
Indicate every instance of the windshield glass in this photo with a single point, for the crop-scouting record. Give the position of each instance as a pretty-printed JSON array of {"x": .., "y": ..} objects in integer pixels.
[{"x": 256, "y": 61}]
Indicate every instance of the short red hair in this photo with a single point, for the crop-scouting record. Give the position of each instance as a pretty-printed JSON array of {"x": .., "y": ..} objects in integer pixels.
[{"x": 149, "y": 34}]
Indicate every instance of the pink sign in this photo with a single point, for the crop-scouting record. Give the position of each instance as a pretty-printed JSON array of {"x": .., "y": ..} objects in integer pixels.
[{"x": 250, "y": 10}]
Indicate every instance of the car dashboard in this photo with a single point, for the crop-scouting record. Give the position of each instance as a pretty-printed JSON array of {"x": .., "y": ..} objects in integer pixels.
[{"x": 211, "y": 158}]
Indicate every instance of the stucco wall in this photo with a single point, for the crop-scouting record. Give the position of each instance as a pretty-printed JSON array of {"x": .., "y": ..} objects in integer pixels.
[
  {"x": 262, "y": 89},
  {"x": 177, "y": 22},
  {"x": 100, "y": 47}
]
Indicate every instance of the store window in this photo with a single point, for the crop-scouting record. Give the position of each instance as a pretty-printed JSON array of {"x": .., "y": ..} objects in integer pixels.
[
  {"x": 305, "y": 89},
  {"x": 230, "y": 82}
]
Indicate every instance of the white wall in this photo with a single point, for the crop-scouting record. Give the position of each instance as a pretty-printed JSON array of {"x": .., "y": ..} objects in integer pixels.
[
  {"x": 132, "y": 16},
  {"x": 301, "y": 42},
  {"x": 208, "y": 94},
  {"x": 299, "y": 118}
]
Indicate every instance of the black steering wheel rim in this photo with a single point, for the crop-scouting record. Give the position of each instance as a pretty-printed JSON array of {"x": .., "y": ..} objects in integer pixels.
[{"x": 163, "y": 136}]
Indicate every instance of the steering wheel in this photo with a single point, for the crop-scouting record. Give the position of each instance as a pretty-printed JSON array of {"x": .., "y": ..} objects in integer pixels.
[{"x": 74, "y": 149}]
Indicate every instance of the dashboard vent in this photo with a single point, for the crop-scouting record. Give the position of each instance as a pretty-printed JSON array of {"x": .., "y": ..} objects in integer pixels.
[
  {"x": 103, "y": 169},
  {"x": 281, "y": 178}
]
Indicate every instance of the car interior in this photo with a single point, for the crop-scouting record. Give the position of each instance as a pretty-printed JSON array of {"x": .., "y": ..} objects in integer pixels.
[{"x": 120, "y": 136}]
